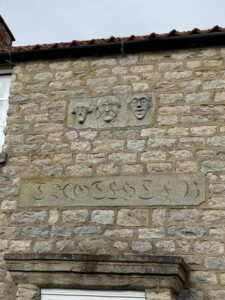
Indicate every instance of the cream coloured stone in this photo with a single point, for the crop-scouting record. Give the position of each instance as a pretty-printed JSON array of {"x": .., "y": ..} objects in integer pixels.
[
  {"x": 170, "y": 99},
  {"x": 119, "y": 70},
  {"x": 178, "y": 131},
  {"x": 132, "y": 169},
  {"x": 128, "y": 60},
  {"x": 214, "y": 84},
  {"x": 186, "y": 167},
  {"x": 210, "y": 247},
  {"x": 162, "y": 294},
  {"x": 151, "y": 233},
  {"x": 164, "y": 246},
  {"x": 53, "y": 216},
  {"x": 140, "y": 86},
  {"x": 174, "y": 110},
  {"x": 80, "y": 146},
  {"x": 212, "y": 63},
  {"x": 123, "y": 157},
  {"x": 120, "y": 245},
  {"x": 121, "y": 233},
  {"x": 203, "y": 130},
  {"x": 141, "y": 69},
  {"x": 132, "y": 217},
  {"x": 178, "y": 75},
  {"x": 170, "y": 66},
  {"x": 163, "y": 168},
  {"x": 103, "y": 216},
  {"x": 135, "y": 145},
  {"x": 167, "y": 120},
  {"x": 109, "y": 168},
  {"x": 43, "y": 76},
  {"x": 79, "y": 170},
  {"x": 196, "y": 98},
  {"x": 141, "y": 246},
  {"x": 204, "y": 277},
  {"x": 19, "y": 246},
  {"x": 28, "y": 292},
  {"x": 182, "y": 54},
  {"x": 154, "y": 155},
  {"x": 193, "y": 64}
]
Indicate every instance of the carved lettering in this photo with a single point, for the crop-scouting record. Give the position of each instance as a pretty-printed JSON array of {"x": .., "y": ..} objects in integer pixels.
[{"x": 114, "y": 191}]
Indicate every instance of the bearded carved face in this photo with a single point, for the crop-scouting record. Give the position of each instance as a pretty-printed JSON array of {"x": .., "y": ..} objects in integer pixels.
[
  {"x": 140, "y": 106},
  {"x": 108, "y": 110}
]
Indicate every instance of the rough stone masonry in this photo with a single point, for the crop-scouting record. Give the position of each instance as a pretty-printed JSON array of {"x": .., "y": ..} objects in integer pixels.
[{"x": 183, "y": 135}]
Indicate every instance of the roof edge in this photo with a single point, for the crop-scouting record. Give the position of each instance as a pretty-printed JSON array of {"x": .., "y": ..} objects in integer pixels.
[
  {"x": 132, "y": 46},
  {"x": 7, "y": 28}
]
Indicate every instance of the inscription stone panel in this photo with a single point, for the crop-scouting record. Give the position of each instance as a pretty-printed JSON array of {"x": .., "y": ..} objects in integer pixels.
[
  {"x": 114, "y": 191},
  {"x": 112, "y": 111}
]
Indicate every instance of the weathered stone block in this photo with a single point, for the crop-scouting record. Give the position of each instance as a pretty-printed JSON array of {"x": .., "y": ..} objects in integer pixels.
[
  {"x": 20, "y": 246},
  {"x": 133, "y": 217},
  {"x": 58, "y": 231},
  {"x": 75, "y": 216},
  {"x": 151, "y": 233},
  {"x": 163, "y": 143},
  {"x": 154, "y": 155},
  {"x": 141, "y": 246},
  {"x": 184, "y": 215},
  {"x": 29, "y": 217},
  {"x": 28, "y": 292},
  {"x": 103, "y": 216},
  {"x": 159, "y": 295},
  {"x": 119, "y": 233},
  {"x": 187, "y": 231},
  {"x": 87, "y": 230},
  {"x": 170, "y": 66},
  {"x": 209, "y": 247},
  {"x": 216, "y": 294},
  {"x": 204, "y": 277},
  {"x": 43, "y": 247},
  {"x": 132, "y": 169}
]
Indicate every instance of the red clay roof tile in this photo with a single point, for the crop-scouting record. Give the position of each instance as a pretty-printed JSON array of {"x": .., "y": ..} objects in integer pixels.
[{"x": 113, "y": 39}]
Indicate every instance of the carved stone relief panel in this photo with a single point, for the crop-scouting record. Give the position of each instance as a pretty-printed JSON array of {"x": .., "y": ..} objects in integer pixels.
[
  {"x": 112, "y": 111},
  {"x": 114, "y": 191}
]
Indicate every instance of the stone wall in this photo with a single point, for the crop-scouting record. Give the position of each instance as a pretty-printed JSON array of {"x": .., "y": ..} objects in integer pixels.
[{"x": 186, "y": 136}]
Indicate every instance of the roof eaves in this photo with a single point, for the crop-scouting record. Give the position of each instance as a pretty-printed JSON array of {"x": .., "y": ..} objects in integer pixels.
[{"x": 172, "y": 40}]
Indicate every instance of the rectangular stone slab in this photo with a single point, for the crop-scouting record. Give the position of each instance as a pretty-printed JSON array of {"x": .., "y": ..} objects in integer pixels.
[{"x": 114, "y": 191}]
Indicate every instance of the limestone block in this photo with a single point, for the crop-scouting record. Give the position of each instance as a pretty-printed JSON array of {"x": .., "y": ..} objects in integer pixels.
[
  {"x": 102, "y": 216},
  {"x": 75, "y": 217},
  {"x": 151, "y": 233},
  {"x": 141, "y": 246},
  {"x": 132, "y": 217},
  {"x": 159, "y": 295},
  {"x": 28, "y": 292}
]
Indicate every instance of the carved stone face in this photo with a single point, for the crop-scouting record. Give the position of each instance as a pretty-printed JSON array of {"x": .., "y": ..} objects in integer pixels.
[
  {"x": 108, "y": 110},
  {"x": 81, "y": 111},
  {"x": 140, "y": 106}
]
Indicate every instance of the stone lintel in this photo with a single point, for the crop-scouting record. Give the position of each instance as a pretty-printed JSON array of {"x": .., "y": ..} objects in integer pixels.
[
  {"x": 146, "y": 190},
  {"x": 98, "y": 271}
]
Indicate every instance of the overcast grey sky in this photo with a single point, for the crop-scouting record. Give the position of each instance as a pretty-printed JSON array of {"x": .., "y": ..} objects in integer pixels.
[{"x": 49, "y": 21}]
